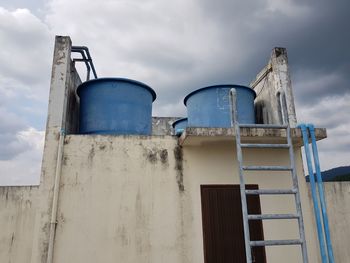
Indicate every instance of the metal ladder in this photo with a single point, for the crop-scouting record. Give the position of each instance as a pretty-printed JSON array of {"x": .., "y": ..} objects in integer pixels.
[{"x": 294, "y": 191}]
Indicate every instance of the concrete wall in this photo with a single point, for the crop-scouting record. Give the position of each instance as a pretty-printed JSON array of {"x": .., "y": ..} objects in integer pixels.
[
  {"x": 18, "y": 206},
  {"x": 337, "y": 196},
  {"x": 120, "y": 200},
  {"x": 137, "y": 199},
  {"x": 163, "y": 125},
  {"x": 215, "y": 163}
]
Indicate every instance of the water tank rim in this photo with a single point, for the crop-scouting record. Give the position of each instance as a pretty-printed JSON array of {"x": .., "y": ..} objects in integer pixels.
[
  {"x": 217, "y": 86},
  {"x": 179, "y": 120},
  {"x": 83, "y": 84}
]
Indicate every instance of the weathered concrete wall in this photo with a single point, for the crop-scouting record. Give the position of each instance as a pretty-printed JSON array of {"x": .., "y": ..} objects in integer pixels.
[
  {"x": 18, "y": 206},
  {"x": 137, "y": 199},
  {"x": 337, "y": 196},
  {"x": 121, "y": 198},
  {"x": 72, "y": 107},
  {"x": 272, "y": 80},
  {"x": 162, "y": 125}
]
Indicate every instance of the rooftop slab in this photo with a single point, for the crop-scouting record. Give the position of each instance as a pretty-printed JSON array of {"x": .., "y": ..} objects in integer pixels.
[{"x": 199, "y": 136}]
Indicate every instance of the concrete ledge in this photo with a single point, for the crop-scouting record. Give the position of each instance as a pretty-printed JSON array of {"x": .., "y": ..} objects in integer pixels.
[{"x": 199, "y": 136}]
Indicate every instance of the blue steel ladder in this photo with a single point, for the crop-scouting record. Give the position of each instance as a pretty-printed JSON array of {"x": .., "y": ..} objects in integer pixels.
[{"x": 294, "y": 191}]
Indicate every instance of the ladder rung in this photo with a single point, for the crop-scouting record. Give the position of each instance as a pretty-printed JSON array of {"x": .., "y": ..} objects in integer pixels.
[
  {"x": 271, "y": 191},
  {"x": 262, "y": 145},
  {"x": 267, "y": 126},
  {"x": 275, "y": 242},
  {"x": 267, "y": 168},
  {"x": 273, "y": 216}
]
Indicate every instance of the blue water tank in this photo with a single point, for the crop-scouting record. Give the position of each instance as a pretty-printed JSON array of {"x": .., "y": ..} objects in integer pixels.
[
  {"x": 210, "y": 106},
  {"x": 179, "y": 125},
  {"x": 115, "y": 106}
]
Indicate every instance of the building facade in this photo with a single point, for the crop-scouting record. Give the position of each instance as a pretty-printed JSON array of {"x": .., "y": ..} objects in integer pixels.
[{"x": 159, "y": 198}]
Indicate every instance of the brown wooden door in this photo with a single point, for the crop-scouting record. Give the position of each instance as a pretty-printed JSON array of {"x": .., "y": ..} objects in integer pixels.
[{"x": 223, "y": 235}]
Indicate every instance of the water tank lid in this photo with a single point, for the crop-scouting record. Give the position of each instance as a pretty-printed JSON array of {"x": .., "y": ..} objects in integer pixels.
[
  {"x": 82, "y": 85},
  {"x": 218, "y": 86},
  {"x": 177, "y": 121}
]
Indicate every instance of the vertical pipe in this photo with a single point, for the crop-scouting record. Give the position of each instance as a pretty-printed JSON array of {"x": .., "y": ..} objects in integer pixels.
[
  {"x": 321, "y": 194},
  {"x": 234, "y": 122},
  {"x": 313, "y": 193},
  {"x": 53, "y": 220}
]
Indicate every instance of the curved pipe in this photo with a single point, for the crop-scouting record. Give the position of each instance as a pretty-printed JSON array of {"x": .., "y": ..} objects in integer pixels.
[
  {"x": 89, "y": 59},
  {"x": 83, "y": 59},
  {"x": 86, "y": 58}
]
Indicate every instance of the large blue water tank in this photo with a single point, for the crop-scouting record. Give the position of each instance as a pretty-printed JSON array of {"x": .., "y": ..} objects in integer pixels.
[
  {"x": 210, "y": 106},
  {"x": 115, "y": 106}
]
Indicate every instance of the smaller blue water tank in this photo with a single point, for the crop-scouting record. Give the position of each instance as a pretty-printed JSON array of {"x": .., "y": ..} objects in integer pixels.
[
  {"x": 179, "y": 125},
  {"x": 115, "y": 106},
  {"x": 211, "y": 106}
]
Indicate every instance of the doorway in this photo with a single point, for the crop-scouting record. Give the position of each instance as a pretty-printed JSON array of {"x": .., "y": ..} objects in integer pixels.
[{"x": 223, "y": 236}]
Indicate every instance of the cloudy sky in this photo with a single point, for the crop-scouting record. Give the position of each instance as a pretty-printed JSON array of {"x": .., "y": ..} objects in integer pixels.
[{"x": 175, "y": 47}]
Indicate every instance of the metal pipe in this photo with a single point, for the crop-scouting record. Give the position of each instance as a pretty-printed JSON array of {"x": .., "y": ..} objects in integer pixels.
[
  {"x": 56, "y": 188},
  {"x": 83, "y": 59},
  {"x": 89, "y": 59},
  {"x": 321, "y": 194},
  {"x": 313, "y": 192}
]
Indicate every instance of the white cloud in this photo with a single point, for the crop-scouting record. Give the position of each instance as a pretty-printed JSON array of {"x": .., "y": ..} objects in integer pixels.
[
  {"x": 176, "y": 109},
  {"x": 24, "y": 168},
  {"x": 26, "y": 51},
  {"x": 26, "y": 55},
  {"x": 168, "y": 45}
]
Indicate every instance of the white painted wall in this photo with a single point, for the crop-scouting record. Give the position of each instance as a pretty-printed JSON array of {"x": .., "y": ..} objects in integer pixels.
[
  {"x": 123, "y": 197},
  {"x": 18, "y": 207},
  {"x": 337, "y": 196}
]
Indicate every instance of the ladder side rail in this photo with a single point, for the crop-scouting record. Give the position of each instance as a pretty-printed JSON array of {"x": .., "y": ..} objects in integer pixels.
[
  {"x": 234, "y": 122},
  {"x": 321, "y": 194},
  {"x": 297, "y": 197}
]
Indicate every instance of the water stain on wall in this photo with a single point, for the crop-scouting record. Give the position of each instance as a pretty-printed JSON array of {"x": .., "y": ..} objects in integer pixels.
[{"x": 178, "y": 153}]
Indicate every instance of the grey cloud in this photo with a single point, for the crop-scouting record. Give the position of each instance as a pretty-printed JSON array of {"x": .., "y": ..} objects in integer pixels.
[
  {"x": 10, "y": 141},
  {"x": 311, "y": 86},
  {"x": 179, "y": 46},
  {"x": 11, "y": 146},
  {"x": 317, "y": 42},
  {"x": 330, "y": 112}
]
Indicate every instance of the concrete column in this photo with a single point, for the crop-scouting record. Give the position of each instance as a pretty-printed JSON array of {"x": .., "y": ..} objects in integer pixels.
[
  {"x": 280, "y": 70},
  {"x": 60, "y": 75}
]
